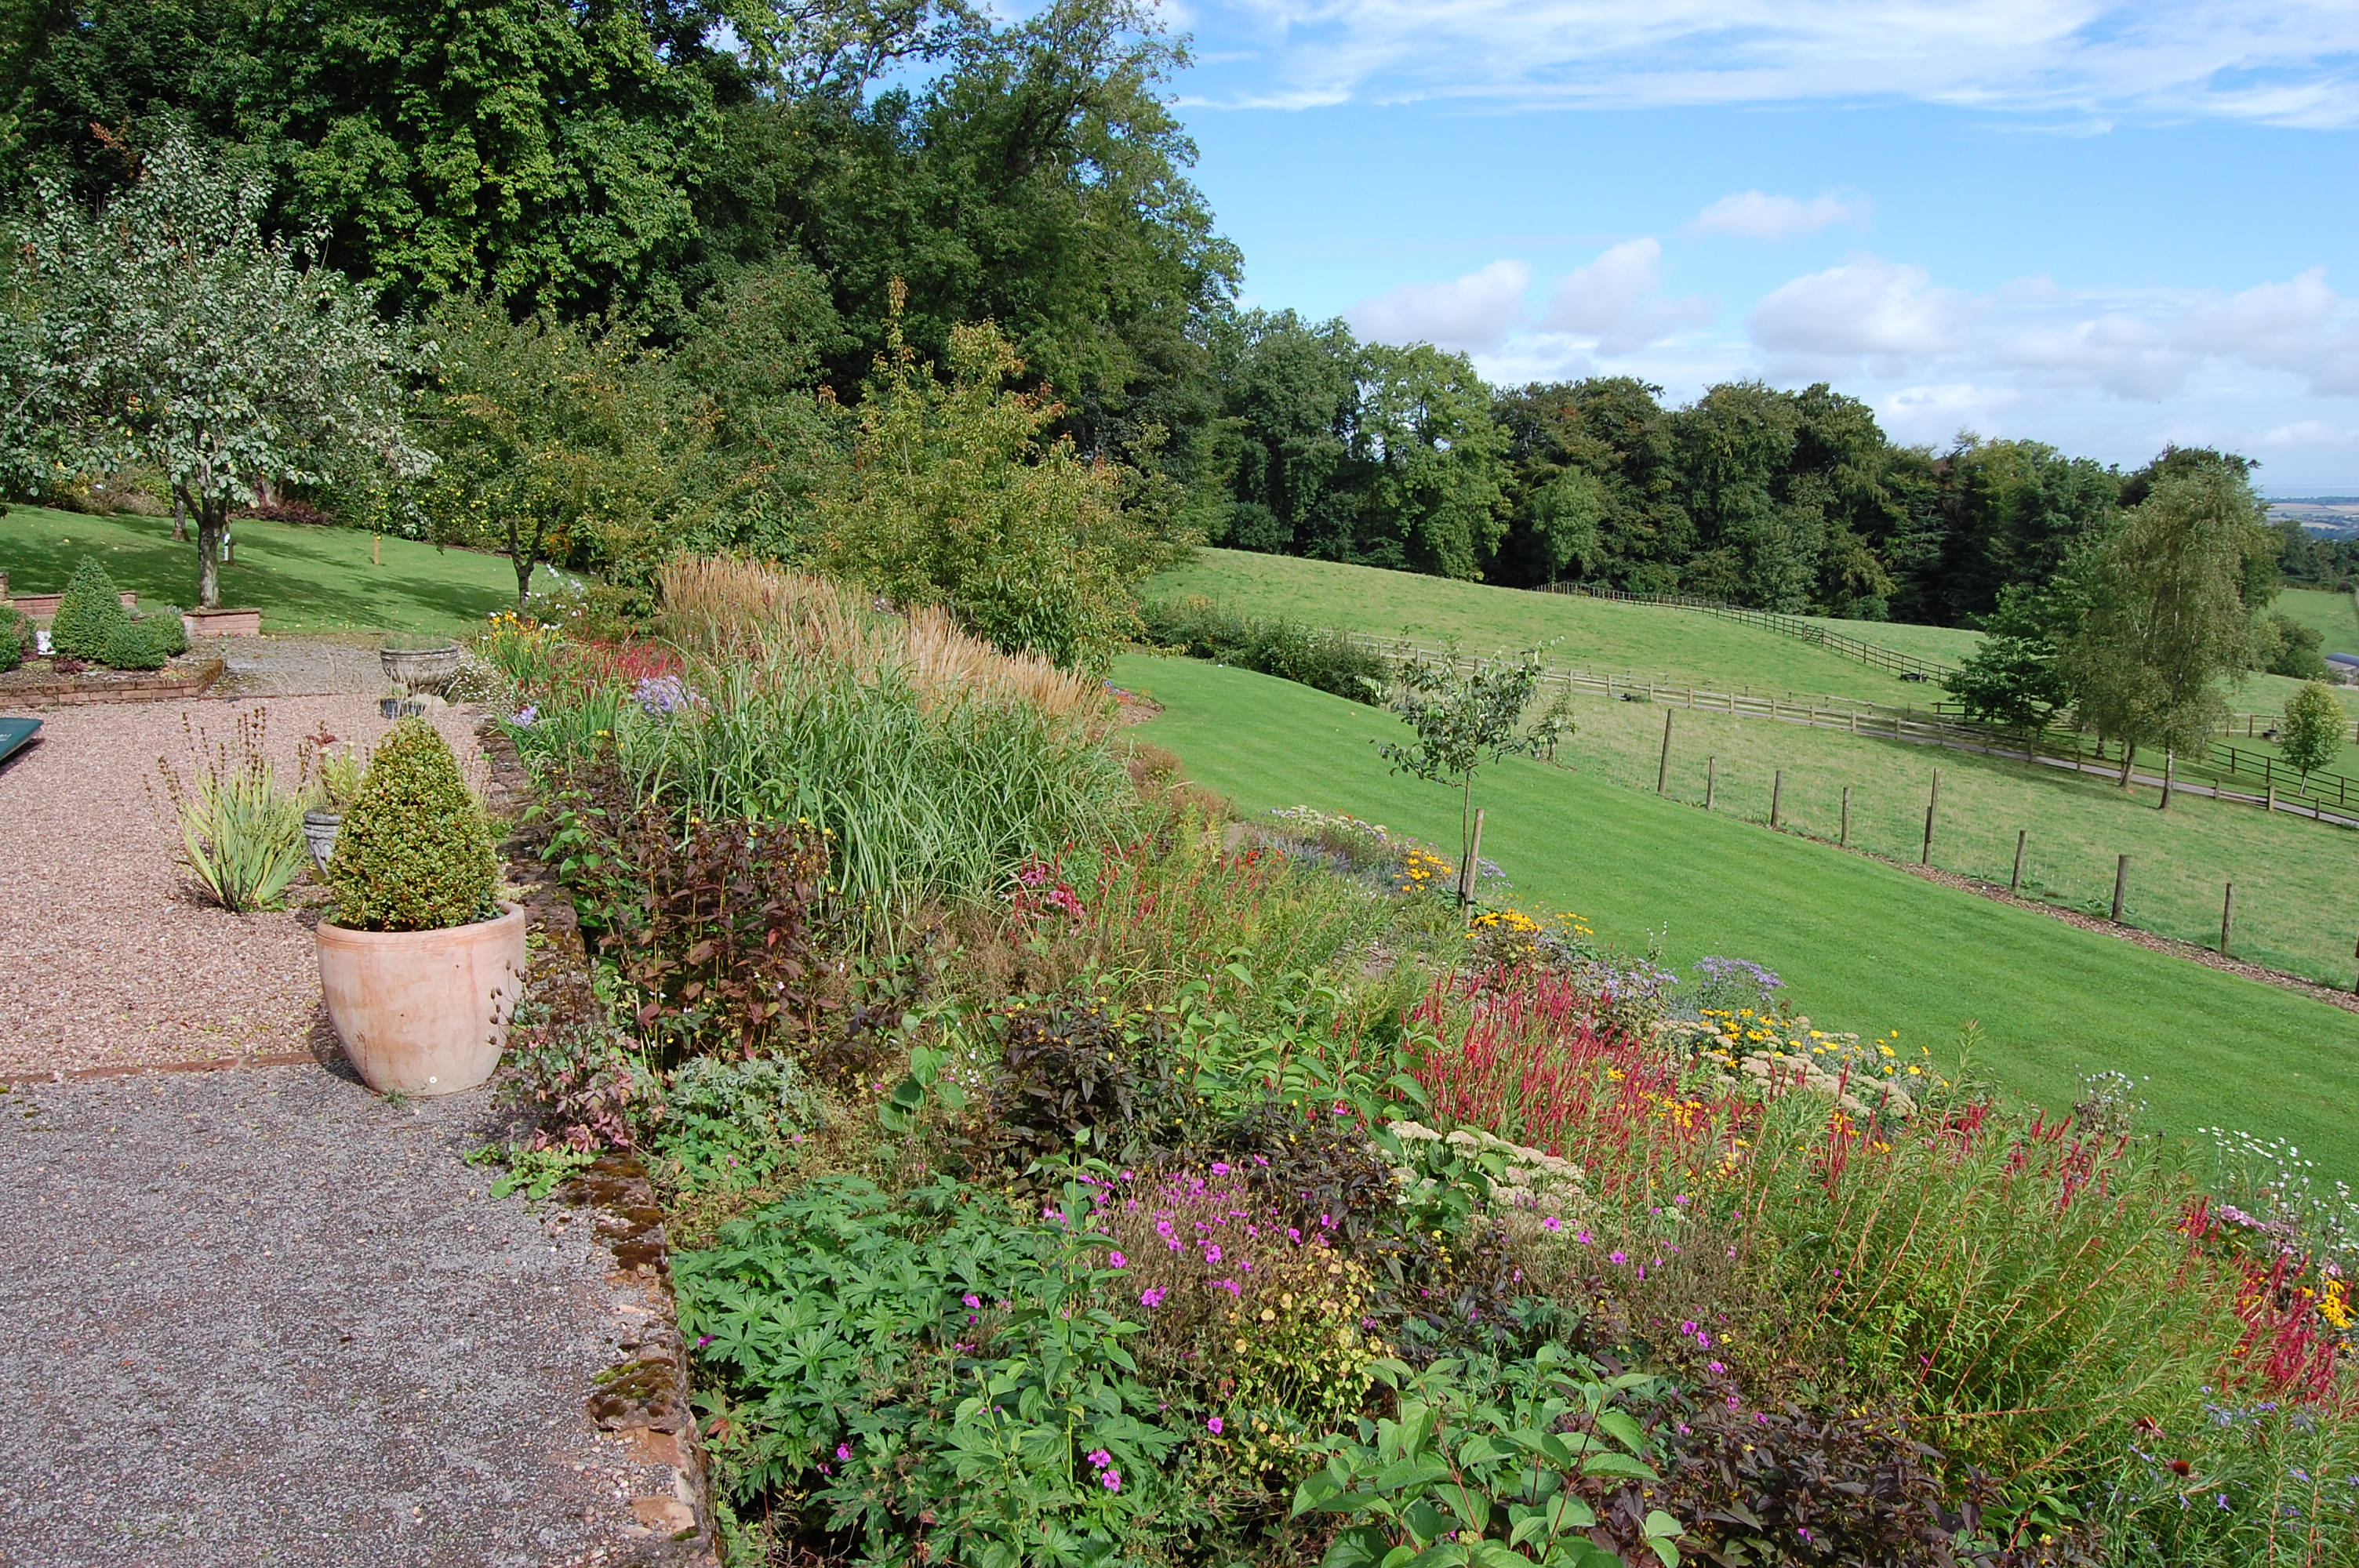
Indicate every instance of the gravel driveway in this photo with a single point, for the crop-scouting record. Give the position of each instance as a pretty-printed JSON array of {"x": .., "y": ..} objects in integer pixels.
[
  {"x": 260, "y": 1316},
  {"x": 105, "y": 959}
]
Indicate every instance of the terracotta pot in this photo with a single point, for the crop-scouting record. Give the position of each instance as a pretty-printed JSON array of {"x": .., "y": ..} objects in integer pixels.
[{"x": 424, "y": 1011}]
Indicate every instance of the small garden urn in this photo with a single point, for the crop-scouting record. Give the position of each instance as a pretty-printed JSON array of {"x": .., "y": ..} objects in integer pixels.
[
  {"x": 421, "y": 962},
  {"x": 425, "y": 666},
  {"x": 319, "y": 834}
]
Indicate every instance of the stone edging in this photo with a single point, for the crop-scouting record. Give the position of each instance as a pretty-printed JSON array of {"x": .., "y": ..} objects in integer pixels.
[{"x": 642, "y": 1397}]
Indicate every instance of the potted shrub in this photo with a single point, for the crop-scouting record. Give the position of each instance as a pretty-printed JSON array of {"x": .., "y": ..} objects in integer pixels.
[
  {"x": 332, "y": 781},
  {"x": 421, "y": 962}
]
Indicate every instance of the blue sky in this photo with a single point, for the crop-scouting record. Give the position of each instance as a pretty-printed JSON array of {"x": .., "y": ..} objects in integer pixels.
[{"x": 2105, "y": 226}]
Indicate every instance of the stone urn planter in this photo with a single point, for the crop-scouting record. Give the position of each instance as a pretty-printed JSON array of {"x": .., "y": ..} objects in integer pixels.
[
  {"x": 423, "y": 669},
  {"x": 319, "y": 834},
  {"x": 425, "y": 1012}
]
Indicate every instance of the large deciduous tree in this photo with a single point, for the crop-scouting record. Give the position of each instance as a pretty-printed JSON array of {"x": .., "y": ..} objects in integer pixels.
[
  {"x": 164, "y": 331},
  {"x": 560, "y": 442},
  {"x": 2168, "y": 615}
]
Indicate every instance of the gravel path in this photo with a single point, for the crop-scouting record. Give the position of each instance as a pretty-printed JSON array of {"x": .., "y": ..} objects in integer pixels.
[
  {"x": 260, "y": 1316},
  {"x": 105, "y": 959},
  {"x": 279, "y": 666}
]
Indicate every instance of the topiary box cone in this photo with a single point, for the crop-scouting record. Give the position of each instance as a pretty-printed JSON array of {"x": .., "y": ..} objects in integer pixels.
[
  {"x": 418, "y": 988},
  {"x": 425, "y": 1012}
]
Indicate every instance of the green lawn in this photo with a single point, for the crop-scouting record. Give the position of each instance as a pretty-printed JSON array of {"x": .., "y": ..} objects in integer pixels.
[
  {"x": 2297, "y": 898},
  {"x": 1863, "y": 945},
  {"x": 301, "y": 579}
]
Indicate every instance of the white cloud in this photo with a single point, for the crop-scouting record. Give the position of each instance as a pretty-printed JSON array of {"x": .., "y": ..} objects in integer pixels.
[
  {"x": 1756, "y": 215},
  {"x": 2308, "y": 433},
  {"x": 1471, "y": 313},
  {"x": 1618, "y": 300},
  {"x": 1866, "y": 307},
  {"x": 2291, "y": 61}
]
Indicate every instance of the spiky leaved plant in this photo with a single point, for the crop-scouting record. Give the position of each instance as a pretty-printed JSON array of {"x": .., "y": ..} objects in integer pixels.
[{"x": 414, "y": 853}]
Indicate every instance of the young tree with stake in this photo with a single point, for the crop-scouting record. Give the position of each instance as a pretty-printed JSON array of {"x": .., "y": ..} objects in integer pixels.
[{"x": 1463, "y": 721}]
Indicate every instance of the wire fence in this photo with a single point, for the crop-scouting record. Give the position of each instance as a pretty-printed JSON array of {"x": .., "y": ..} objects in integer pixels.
[{"x": 2332, "y": 798}]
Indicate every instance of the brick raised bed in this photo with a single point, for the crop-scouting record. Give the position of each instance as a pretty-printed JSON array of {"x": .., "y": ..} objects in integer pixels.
[
  {"x": 44, "y": 606},
  {"x": 34, "y": 686}
]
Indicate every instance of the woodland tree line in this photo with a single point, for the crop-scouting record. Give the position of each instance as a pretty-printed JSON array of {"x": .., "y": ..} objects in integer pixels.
[{"x": 677, "y": 275}]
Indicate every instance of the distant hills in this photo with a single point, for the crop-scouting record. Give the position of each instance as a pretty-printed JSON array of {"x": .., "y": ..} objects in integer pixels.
[{"x": 2335, "y": 516}]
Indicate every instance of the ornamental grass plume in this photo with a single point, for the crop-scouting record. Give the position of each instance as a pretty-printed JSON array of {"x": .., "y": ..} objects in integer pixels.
[{"x": 414, "y": 853}]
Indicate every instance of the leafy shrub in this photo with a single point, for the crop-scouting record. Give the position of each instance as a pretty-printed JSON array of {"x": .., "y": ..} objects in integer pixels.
[
  {"x": 1319, "y": 657},
  {"x": 1073, "y": 1072},
  {"x": 1511, "y": 1457},
  {"x": 927, "y": 1369},
  {"x": 414, "y": 853},
  {"x": 724, "y": 948},
  {"x": 91, "y": 623},
  {"x": 1261, "y": 1317},
  {"x": 569, "y": 1075},
  {"x": 729, "y": 1124},
  {"x": 241, "y": 835},
  {"x": 16, "y": 637}
]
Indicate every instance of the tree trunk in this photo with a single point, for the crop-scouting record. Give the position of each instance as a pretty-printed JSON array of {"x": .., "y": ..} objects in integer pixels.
[
  {"x": 179, "y": 518},
  {"x": 211, "y": 524},
  {"x": 2129, "y": 755},
  {"x": 523, "y": 564}
]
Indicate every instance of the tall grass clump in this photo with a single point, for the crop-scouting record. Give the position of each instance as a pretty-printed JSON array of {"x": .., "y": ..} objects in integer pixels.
[
  {"x": 241, "y": 832},
  {"x": 937, "y": 765}
]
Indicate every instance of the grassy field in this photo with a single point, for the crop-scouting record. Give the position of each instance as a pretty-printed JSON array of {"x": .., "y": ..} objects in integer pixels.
[
  {"x": 2335, "y": 615},
  {"x": 1674, "y": 647},
  {"x": 301, "y": 579},
  {"x": 1861, "y": 945},
  {"x": 2297, "y": 905}
]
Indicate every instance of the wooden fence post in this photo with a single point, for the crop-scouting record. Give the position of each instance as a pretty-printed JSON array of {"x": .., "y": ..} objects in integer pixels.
[
  {"x": 1846, "y": 839},
  {"x": 2227, "y": 916},
  {"x": 2015, "y": 883},
  {"x": 2121, "y": 885},
  {"x": 1776, "y": 795},
  {"x": 1663, "y": 768},
  {"x": 1933, "y": 804},
  {"x": 1711, "y": 780}
]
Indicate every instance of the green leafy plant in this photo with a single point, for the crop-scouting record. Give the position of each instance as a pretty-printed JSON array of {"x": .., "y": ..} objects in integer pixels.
[
  {"x": 1486, "y": 1470},
  {"x": 926, "y": 1367},
  {"x": 533, "y": 1169},
  {"x": 15, "y": 634},
  {"x": 414, "y": 853},
  {"x": 241, "y": 835},
  {"x": 729, "y": 1124}
]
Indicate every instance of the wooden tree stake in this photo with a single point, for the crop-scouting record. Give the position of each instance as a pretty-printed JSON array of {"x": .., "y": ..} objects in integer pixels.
[
  {"x": 1711, "y": 780},
  {"x": 2121, "y": 886},
  {"x": 1933, "y": 804},
  {"x": 1776, "y": 795},
  {"x": 1473, "y": 858},
  {"x": 1846, "y": 839},
  {"x": 2015, "y": 883},
  {"x": 1663, "y": 768},
  {"x": 2227, "y": 916}
]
